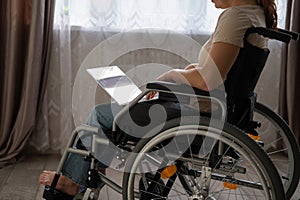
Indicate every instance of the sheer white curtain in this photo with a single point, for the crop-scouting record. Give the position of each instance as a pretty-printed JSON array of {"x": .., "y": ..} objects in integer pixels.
[
  {"x": 177, "y": 15},
  {"x": 81, "y": 25}
]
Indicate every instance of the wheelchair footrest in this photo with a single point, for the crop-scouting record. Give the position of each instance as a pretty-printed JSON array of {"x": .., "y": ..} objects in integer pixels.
[{"x": 55, "y": 194}]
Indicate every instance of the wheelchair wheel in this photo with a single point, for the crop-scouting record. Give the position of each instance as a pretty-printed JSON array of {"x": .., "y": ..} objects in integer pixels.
[
  {"x": 281, "y": 146},
  {"x": 237, "y": 169},
  {"x": 144, "y": 182}
]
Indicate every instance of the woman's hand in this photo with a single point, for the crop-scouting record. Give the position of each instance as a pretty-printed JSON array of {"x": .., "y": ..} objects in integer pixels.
[
  {"x": 151, "y": 95},
  {"x": 167, "y": 76}
]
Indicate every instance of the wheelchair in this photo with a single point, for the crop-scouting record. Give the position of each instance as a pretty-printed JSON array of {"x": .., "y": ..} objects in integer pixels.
[{"x": 198, "y": 156}]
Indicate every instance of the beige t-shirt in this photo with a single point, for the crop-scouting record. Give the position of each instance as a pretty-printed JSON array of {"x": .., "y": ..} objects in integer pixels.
[
  {"x": 231, "y": 27},
  {"x": 233, "y": 23}
]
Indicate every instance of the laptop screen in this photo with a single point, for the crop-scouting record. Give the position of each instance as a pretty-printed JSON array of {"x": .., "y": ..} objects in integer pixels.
[{"x": 116, "y": 83}]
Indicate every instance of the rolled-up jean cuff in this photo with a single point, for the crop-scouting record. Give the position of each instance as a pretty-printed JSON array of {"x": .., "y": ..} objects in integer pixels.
[{"x": 76, "y": 168}]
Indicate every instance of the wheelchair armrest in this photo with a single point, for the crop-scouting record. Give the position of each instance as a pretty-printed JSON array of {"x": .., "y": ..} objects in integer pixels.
[
  {"x": 185, "y": 89},
  {"x": 176, "y": 88}
]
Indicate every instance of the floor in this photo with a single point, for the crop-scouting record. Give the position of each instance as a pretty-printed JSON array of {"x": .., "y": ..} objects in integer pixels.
[{"x": 20, "y": 181}]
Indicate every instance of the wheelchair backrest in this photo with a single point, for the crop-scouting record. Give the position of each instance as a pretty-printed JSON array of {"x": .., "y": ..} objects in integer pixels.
[
  {"x": 241, "y": 81},
  {"x": 244, "y": 74}
]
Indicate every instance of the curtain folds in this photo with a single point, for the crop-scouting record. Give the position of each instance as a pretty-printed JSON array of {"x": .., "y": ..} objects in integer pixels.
[
  {"x": 290, "y": 82},
  {"x": 25, "y": 39}
]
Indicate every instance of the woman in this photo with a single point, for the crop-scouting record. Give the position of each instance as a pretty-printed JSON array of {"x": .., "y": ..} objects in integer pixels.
[{"x": 223, "y": 48}]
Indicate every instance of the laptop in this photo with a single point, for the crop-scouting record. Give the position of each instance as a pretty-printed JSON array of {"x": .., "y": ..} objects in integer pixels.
[{"x": 116, "y": 83}]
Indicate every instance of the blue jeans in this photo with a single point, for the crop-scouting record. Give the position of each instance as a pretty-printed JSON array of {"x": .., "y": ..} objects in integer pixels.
[{"x": 76, "y": 167}]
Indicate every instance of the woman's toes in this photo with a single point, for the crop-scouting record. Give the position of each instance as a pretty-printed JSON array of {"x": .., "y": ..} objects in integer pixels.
[{"x": 46, "y": 177}]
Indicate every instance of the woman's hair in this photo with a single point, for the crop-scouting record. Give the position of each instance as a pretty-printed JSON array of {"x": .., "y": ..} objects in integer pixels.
[{"x": 270, "y": 9}]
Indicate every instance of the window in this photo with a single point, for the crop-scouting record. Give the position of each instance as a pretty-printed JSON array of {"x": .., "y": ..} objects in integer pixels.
[
  {"x": 177, "y": 15},
  {"x": 187, "y": 16}
]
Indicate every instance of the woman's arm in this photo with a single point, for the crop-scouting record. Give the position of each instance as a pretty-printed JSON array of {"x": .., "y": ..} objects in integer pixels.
[{"x": 214, "y": 70}]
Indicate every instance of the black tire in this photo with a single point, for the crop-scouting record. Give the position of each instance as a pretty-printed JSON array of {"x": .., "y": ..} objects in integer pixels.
[
  {"x": 290, "y": 176},
  {"x": 229, "y": 135}
]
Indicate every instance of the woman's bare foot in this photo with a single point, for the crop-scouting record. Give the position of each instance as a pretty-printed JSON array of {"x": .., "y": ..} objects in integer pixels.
[{"x": 64, "y": 184}]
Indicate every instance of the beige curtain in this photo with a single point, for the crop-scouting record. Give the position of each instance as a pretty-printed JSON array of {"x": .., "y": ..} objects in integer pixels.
[
  {"x": 25, "y": 38},
  {"x": 290, "y": 83}
]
